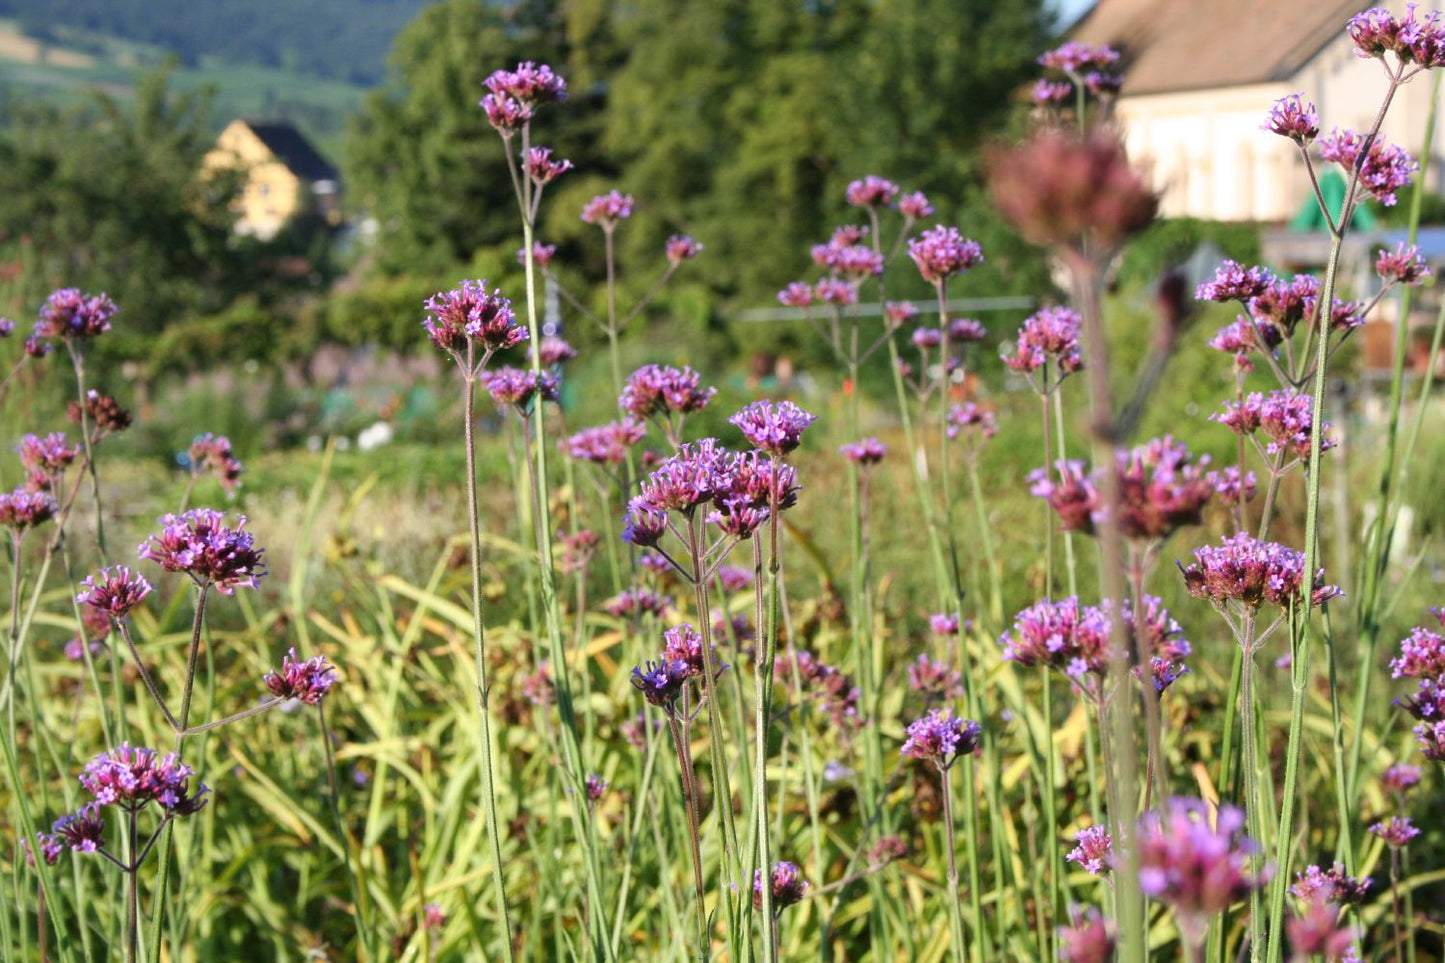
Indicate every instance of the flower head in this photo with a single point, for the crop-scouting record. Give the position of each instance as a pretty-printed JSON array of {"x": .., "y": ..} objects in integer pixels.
[
  {"x": 776, "y": 428},
  {"x": 117, "y": 592},
  {"x": 798, "y": 294},
  {"x": 1404, "y": 265},
  {"x": 82, "y": 831},
  {"x": 1051, "y": 334},
  {"x": 1376, "y": 32},
  {"x": 105, "y": 413},
  {"x": 505, "y": 113},
  {"x": 637, "y": 602},
  {"x": 1234, "y": 282},
  {"x": 681, "y": 248},
  {"x": 605, "y": 210},
  {"x": 1422, "y": 655},
  {"x": 21, "y": 510},
  {"x": 1093, "y": 850},
  {"x": 1316, "y": 930},
  {"x": 68, "y": 313},
  {"x": 51, "y": 454},
  {"x": 941, "y": 252},
  {"x": 661, "y": 683},
  {"x": 941, "y": 738},
  {"x": 1397, "y": 831},
  {"x": 200, "y": 544},
  {"x": 213, "y": 453},
  {"x": 1332, "y": 884},
  {"x": 1285, "y": 418},
  {"x": 1400, "y": 778},
  {"x": 1076, "y": 56},
  {"x": 595, "y": 787},
  {"x": 1293, "y": 118},
  {"x": 516, "y": 388},
  {"x": 1047, "y": 93},
  {"x": 542, "y": 167},
  {"x": 1230, "y": 487},
  {"x": 1195, "y": 861},
  {"x": 1089, "y": 938},
  {"x": 872, "y": 191},
  {"x": 788, "y": 886},
  {"x": 1252, "y": 573},
  {"x": 51, "y": 845},
  {"x": 657, "y": 390},
  {"x": 606, "y": 444},
  {"x": 836, "y": 291},
  {"x": 682, "y": 643},
  {"x": 469, "y": 312},
  {"x": 306, "y": 681},
  {"x": 867, "y": 451},
  {"x": 132, "y": 777},
  {"x": 554, "y": 350},
  {"x": 915, "y": 206},
  {"x": 1384, "y": 168},
  {"x": 530, "y": 83},
  {"x": 542, "y": 255},
  {"x": 935, "y": 679}
]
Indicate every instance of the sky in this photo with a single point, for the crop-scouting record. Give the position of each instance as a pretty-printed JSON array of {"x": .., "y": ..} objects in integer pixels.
[{"x": 1069, "y": 10}]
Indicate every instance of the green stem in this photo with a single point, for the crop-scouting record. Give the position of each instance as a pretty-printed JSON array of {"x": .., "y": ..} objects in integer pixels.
[{"x": 955, "y": 912}]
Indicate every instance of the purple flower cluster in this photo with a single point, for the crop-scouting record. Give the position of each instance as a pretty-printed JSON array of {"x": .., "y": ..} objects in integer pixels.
[
  {"x": 1332, "y": 884},
  {"x": 542, "y": 255},
  {"x": 914, "y": 206},
  {"x": 741, "y": 487},
  {"x": 1400, "y": 778},
  {"x": 115, "y": 591},
  {"x": 941, "y": 252},
  {"x": 1404, "y": 265},
  {"x": 513, "y": 95},
  {"x": 105, "y": 413},
  {"x": 468, "y": 313},
  {"x": 1076, "y": 56},
  {"x": 940, "y": 738},
  {"x": 554, "y": 350},
  {"x": 48, "y": 456},
  {"x": 1293, "y": 118},
  {"x": 83, "y": 831},
  {"x": 681, "y": 248},
  {"x": 605, "y": 210},
  {"x": 1234, "y": 282},
  {"x": 1195, "y": 861},
  {"x": 306, "y": 681},
  {"x": 1285, "y": 418},
  {"x": 682, "y": 660},
  {"x": 1422, "y": 656},
  {"x": 200, "y": 544},
  {"x": 829, "y": 685},
  {"x": 595, "y": 787},
  {"x": 853, "y": 261},
  {"x": 657, "y": 391},
  {"x": 1384, "y": 169},
  {"x": 935, "y": 680},
  {"x": 1251, "y": 573},
  {"x": 872, "y": 191},
  {"x": 132, "y": 778},
  {"x": 636, "y": 602},
  {"x": 1230, "y": 487},
  {"x": 21, "y": 510},
  {"x": 1047, "y": 92},
  {"x": 606, "y": 444},
  {"x": 1376, "y": 32},
  {"x": 1397, "y": 831},
  {"x": 798, "y": 294},
  {"x": 787, "y": 886},
  {"x": 1093, "y": 850},
  {"x": 516, "y": 388},
  {"x": 542, "y": 167},
  {"x": 1088, "y": 938},
  {"x": 867, "y": 451},
  {"x": 68, "y": 313},
  {"x": 682, "y": 643},
  {"x": 212, "y": 453},
  {"x": 1051, "y": 334},
  {"x": 773, "y": 427}
]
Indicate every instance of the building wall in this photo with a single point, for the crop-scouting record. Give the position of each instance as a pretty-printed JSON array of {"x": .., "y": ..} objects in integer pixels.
[
  {"x": 272, "y": 194},
  {"x": 1206, "y": 153}
]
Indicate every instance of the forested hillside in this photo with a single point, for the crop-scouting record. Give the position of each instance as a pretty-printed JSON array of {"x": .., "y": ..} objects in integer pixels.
[{"x": 339, "y": 39}]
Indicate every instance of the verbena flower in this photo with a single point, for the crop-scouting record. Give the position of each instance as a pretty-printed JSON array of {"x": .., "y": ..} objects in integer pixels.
[
  {"x": 530, "y": 83},
  {"x": 554, "y": 350},
  {"x": 1093, "y": 850},
  {"x": 872, "y": 191},
  {"x": 1047, "y": 93},
  {"x": 1062, "y": 635},
  {"x": 21, "y": 510},
  {"x": 70, "y": 314},
  {"x": 787, "y": 886},
  {"x": 1088, "y": 938},
  {"x": 1233, "y": 281},
  {"x": 37, "y": 347},
  {"x": 888, "y": 849},
  {"x": 1051, "y": 334},
  {"x": 1404, "y": 265},
  {"x": 577, "y": 550},
  {"x": 940, "y": 738},
  {"x": 516, "y": 388},
  {"x": 542, "y": 255},
  {"x": 1384, "y": 169},
  {"x": 1284, "y": 304},
  {"x": 1422, "y": 655},
  {"x": 1397, "y": 831},
  {"x": 1400, "y": 778},
  {"x": 606, "y": 210},
  {"x": 925, "y": 338},
  {"x": 682, "y": 643},
  {"x": 307, "y": 682},
  {"x": 105, "y": 413},
  {"x": 51, "y": 454},
  {"x": 1332, "y": 884},
  {"x": 867, "y": 451},
  {"x": 1285, "y": 418},
  {"x": 542, "y": 167},
  {"x": 1162, "y": 488},
  {"x": 1431, "y": 738},
  {"x": 606, "y": 444},
  {"x": 733, "y": 578},
  {"x": 681, "y": 248},
  {"x": 505, "y": 114},
  {"x": 50, "y": 846},
  {"x": 915, "y": 206},
  {"x": 964, "y": 330},
  {"x": 773, "y": 427},
  {"x": 899, "y": 313},
  {"x": 661, "y": 683},
  {"x": 7, "y": 327},
  {"x": 1103, "y": 84},
  {"x": 1428, "y": 702},
  {"x": 942, "y": 252},
  {"x": 200, "y": 544},
  {"x": 1244, "y": 336},
  {"x": 537, "y": 686},
  {"x": 1376, "y": 32},
  {"x": 636, "y": 602},
  {"x": 1252, "y": 573},
  {"x": 1293, "y": 118},
  {"x": 132, "y": 778},
  {"x": 934, "y": 679},
  {"x": 115, "y": 591},
  {"x": 469, "y": 312},
  {"x": 645, "y": 524},
  {"x": 213, "y": 453},
  {"x": 831, "y": 687},
  {"x": 1195, "y": 861},
  {"x": 657, "y": 390},
  {"x": 433, "y": 918},
  {"x": 798, "y": 294},
  {"x": 1075, "y": 56},
  {"x": 698, "y": 473},
  {"x": 836, "y": 291},
  {"x": 1230, "y": 487},
  {"x": 82, "y": 831},
  {"x": 943, "y": 624},
  {"x": 595, "y": 787}
]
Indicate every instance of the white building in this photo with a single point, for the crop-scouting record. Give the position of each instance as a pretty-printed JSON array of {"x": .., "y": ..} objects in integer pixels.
[{"x": 1201, "y": 75}]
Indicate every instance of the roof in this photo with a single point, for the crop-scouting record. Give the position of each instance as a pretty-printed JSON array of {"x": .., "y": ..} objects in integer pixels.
[
  {"x": 293, "y": 149},
  {"x": 1179, "y": 45}
]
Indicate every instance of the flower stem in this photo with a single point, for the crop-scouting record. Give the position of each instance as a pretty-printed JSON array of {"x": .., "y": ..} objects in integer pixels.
[
  {"x": 955, "y": 911},
  {"x": 681, "y": 740}
]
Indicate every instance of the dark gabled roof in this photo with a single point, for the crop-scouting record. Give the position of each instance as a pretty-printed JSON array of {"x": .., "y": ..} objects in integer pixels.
[
  {"x": 293, "y": 149},
  {"x": 1178, "y": 45}
]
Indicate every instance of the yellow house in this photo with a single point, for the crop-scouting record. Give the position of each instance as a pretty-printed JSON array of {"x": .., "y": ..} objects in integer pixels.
[{"x": 284, "y": 177}]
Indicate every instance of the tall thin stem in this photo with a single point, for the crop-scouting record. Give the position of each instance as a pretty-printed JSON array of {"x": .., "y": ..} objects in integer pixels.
[
  {"x": 681, "y": 740},
  {"x": 958, "y": 945}
]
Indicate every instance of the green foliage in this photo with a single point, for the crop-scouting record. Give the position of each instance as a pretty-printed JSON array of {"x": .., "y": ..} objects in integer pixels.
[{"x": 1170, "y": 242}]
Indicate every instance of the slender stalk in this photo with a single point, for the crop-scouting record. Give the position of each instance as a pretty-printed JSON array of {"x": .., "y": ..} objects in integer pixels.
[
  {"x": 479, "y": 654},
  {"x": 1249, "y": 742},
  {"x": 958, "y": 945},
  {"x": 682, "y": 741},
  {"x": 132, "y": 889}
]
